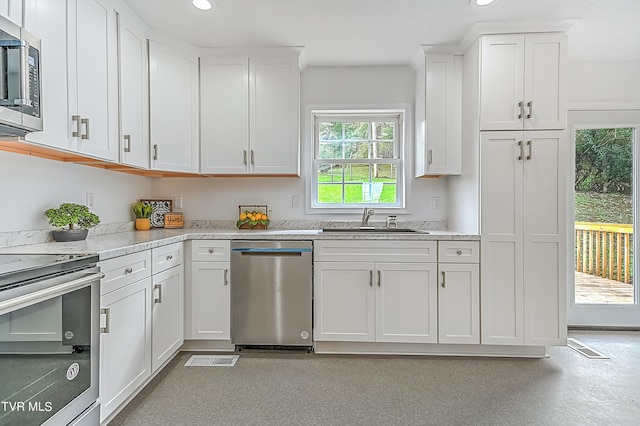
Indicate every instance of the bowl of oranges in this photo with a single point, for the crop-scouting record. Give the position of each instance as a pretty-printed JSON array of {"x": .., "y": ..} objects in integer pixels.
[{"x": 252, "y": 217}]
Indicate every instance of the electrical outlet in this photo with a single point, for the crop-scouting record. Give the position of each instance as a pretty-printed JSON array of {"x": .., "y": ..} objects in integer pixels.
[
  {"x": 295, "y": 202},
  {"x": 177, "y": 202},
  {"x": 435, "y": 202},
  {"x": 91, "y": 200}
]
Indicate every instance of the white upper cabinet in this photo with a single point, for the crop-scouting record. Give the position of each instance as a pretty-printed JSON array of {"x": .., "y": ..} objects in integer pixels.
[
  {"x": 79, "y": 81},
  {"x": 12, "y": 10},
  {"x": 93, "y": 80},
  {"x": 522, "y": 81},
  {"x": 438, "y": 112},
  {"x": 173, "y": 95},
  {"x": 133, "y": 92},
  {"x": 250, "y": 114}
]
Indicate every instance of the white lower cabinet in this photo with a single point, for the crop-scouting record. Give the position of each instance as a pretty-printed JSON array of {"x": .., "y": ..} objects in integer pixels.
[
  {"x": 375, "y": 301},
  {"x": 208, "y": 291},
  {"x": 168, "y": 315},
  {"x": 125, "y": 344},
  {"x": 459, "y": 292},
  {"x": 141, "y": 321}
]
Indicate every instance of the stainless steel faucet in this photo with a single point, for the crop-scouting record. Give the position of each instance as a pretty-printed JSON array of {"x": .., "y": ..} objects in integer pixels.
[{"x": 366, "y": 214}]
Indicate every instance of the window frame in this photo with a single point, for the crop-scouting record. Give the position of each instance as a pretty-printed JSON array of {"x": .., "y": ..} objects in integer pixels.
[{"x": 350, "y": 115}]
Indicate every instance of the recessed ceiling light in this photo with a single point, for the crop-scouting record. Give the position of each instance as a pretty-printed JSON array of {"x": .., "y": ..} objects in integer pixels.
[
  {"x": 204, "y": 4},
  {"x": 481, "y": 2}
]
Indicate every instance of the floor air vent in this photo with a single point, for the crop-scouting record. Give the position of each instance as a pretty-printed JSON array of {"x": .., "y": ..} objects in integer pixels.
[
  {"x": 585, "y": 350},
  {"x": 212, "y": 361}
]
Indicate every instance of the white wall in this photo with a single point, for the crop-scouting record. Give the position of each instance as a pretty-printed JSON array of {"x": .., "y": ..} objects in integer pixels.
[
  {"x": 613, "y": 83},
  {"x": 218, "y": 198},
  {"x": 30, "y": 185}
]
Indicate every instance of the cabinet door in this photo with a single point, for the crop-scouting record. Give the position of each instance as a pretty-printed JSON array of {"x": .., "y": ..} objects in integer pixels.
[
  {"x": 93, "y": 76},
  {"x": 224, "y": 122},
  {"x": 12, "y": 10},
  {"x": 438, "y": 116},
  {"x": 406, "y": 302},
  {"x": 134, "y": 93},
  {"x": 168, "y": 315},
  {"x": 344, "y": 301},
  {"x": 46, "y": 18},
  {"x": 501, "y": 247},
  {"x": 173, "y": 100},
  {"x": 125, "y": 345},
  {"x": 544, "y": 81},
  {"x": 501, "y": 82},
  {"x": 544, "y": 239},
  {"x": 208, "y": 308},
  {"x": 274, "y": 102},
  {"x": 459, "y": 303}
]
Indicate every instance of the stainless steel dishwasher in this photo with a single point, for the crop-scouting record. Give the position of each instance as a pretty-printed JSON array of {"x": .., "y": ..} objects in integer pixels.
[{"x": 271, "y": 294}]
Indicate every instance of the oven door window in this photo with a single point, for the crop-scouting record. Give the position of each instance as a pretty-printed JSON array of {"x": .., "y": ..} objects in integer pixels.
[{"x": 45, "y": 357}]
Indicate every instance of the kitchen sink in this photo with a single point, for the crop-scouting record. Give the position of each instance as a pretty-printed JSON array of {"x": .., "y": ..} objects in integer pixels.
[{"x": 368, "y": 230}]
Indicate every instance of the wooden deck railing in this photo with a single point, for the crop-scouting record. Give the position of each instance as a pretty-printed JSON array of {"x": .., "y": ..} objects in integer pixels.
[{"x": 604, "y": 250}]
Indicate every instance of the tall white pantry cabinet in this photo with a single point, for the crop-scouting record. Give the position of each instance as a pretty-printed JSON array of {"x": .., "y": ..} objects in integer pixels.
[{"x": 514, "y": 119}]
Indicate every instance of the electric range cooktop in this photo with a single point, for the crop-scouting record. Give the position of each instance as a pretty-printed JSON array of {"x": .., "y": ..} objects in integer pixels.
[{"x": 19, "y": 268}]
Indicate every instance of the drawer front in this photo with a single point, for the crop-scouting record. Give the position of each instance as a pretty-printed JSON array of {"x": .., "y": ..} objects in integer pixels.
[
  {"x": 124, "y": 270},
  {"x": 210, "y": 250},
  {"x": 166, "y": 257},
  {"x": 458, "y": 252},
  {"x": 399, "y": 251}
]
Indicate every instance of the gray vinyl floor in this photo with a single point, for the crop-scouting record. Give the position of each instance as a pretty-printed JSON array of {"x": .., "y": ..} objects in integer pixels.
[{"x": 566, "y": 388}]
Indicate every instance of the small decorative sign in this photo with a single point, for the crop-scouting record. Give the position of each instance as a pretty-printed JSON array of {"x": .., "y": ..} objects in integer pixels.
[{"x": 173, "y": 220}]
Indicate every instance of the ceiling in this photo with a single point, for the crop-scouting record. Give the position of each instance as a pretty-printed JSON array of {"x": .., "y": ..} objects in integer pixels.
[{"x": 389, "y": 32}]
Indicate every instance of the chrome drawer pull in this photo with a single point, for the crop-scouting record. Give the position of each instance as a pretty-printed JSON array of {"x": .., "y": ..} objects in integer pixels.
[
  {"x": 128, "y": 270},
  {"x": 459, "y": 252},
  {"x": 211, "y": 250},
  {"x": 444, "y": 277},
  {"x": 370, "y": 278},
  {"x": 226, "y": 276},
  {"x": 169, "y": 257},
  {"x": 379, "y": 277}
]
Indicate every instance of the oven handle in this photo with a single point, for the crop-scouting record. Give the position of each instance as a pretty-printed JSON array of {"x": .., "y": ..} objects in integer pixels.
[{"x": 47, "y": 293}]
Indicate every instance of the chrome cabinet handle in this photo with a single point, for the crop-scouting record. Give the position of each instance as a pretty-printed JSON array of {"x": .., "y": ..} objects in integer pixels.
[
  {"x": 444, "y": 278},
  {"x": 430, "y": 156},
  {"x": 459, "y": 252},
  {"x": 379, "y": 278},
  {"x": 169, "y": 257},
  {"x": 155, "y": 151},
  {"x": 521, "y": 106},
  {"x": 76, "y": 119},
  {"x": 370, "y": 278},
  {"x": 521, "y": 150},
  {"x": 159, "y": 288},
  {"x": 226, "y": 276},
  {"x": 530, "y": 105},
  {"x": 211, "y": 250},
  {"x": 244, "y": 157},
  {"x": 127, "y": 143},
  {"x": 85, "y": 121},
  {"x": 530, "y": 145},
  {"x": 105, "y": 312},
  {"x": 253, "y": 163},
  {"x": 128, "y": 270}
]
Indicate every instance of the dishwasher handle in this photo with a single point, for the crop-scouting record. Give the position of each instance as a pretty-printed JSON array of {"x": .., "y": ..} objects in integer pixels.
[{"x": 270, "y": 250}]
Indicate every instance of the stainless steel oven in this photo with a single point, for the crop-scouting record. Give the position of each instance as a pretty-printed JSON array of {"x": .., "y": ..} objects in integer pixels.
[{"x": 49, "y": 339}]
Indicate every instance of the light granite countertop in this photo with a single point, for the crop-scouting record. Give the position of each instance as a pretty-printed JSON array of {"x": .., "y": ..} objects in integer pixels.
[{"x": 122, "y": 243}]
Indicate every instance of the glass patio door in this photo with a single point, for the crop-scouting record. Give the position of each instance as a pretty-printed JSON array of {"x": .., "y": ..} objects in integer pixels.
[{"x": 605, "y": 189}]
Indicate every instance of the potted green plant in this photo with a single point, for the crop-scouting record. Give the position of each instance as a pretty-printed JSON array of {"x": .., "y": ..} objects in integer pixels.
[
  {"x": 142, "y": 211},
  {"x": 74, "y": 221}
]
